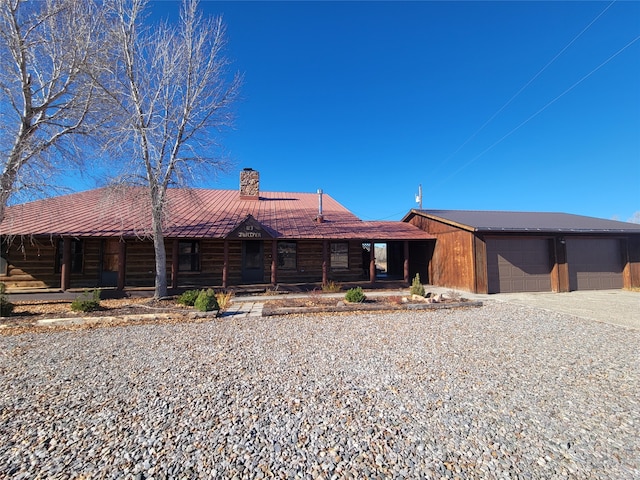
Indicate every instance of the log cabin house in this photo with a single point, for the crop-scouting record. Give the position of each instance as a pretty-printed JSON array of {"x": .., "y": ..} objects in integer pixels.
[{"x": 213, "y": 238}]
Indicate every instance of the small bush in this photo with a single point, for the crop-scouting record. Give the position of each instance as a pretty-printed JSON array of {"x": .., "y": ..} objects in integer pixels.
[
  {"x": 206, "y": 301},
  {"x": 416, "y": 286},
  {"x": 188, "y": 298},
  {"x": 6, "y": 307},
  {"x": 355, "y": 295},
  {"x": 315, "y": 296},
  {"x": 331, "y": 287},
  {"x": 88, "y": 301},
  {"x": 453, "y": 295},
  {"x": 224, "y": 300}
]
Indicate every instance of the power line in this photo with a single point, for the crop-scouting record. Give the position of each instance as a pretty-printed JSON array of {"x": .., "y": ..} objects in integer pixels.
[
  {"x": 547, "y": 105},
  {"x": 573, "y": 40}
]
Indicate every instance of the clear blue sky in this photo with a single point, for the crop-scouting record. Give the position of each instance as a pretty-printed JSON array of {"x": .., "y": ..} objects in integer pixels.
[{"x": 488, "y": 105}]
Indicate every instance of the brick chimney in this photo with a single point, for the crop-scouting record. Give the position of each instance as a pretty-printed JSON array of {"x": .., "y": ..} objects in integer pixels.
[{"x": 249, "y": 184}]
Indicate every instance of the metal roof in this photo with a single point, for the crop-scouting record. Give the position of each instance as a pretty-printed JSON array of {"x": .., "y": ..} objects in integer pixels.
[
  {"x": 196, "y": 213},
  {"x": 501, "y": 221}
]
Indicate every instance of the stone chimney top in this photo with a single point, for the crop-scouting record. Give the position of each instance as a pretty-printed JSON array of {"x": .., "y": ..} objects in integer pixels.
[{"x": 249, "y": 184}]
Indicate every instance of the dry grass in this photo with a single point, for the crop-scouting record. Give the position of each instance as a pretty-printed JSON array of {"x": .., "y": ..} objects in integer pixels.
[{"x": 224, "y": 300}]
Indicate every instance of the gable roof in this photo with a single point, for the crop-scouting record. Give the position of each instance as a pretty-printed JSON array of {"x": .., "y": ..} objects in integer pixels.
[
  {"x": 501, "y": 221},
  {"x": 196, "y": 213}
]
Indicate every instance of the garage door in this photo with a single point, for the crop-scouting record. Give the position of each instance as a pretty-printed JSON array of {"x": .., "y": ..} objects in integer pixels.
[
  {"x": 594, "y": 263},
  {"x": 518, "y": 265}
]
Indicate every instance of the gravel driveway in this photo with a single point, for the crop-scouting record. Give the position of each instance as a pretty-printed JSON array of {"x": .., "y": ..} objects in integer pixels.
[{"x": 502, "y": 391}]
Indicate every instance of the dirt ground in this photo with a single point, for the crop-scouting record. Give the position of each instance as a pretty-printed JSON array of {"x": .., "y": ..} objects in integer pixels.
[
  {"x": 138, "y": 310},
  {"x": 26, "y": 314},
  {"x": 319, "y": 301}
]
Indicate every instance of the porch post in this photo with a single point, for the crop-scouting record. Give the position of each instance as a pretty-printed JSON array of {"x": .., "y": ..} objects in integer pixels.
[
  {"x": 225, "y": 264},
  {"x": 372, "y": 263},
  {"x": 406, "y": 261},
  {"x": 274, "y": 262},
  {"x": 65, "y": 268},
  {"x": 122, "y": 264},
  {"x": 325, "y": 262},
  {"x": 175, "y": 262}
]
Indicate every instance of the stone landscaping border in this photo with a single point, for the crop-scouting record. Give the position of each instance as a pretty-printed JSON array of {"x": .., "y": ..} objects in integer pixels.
[
  {"x": 364, "y": 307},
  {"x": 105, "y": 319}
]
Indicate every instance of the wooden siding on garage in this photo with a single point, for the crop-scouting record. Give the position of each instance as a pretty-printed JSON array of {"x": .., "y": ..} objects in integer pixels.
[
  {"x": 518, "y": 265},
  {"x": 452, "y": 263},
  {"x": 594, "y": 263},
  {"x": 631, "y": 272}
]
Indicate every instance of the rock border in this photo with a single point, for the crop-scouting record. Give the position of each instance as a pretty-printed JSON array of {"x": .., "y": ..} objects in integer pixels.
[
  {"x": 363, "y": 307},
  {"x": 135, "y": 317}
]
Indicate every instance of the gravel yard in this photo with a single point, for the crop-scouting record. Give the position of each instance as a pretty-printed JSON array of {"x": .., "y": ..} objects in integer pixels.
[{"x": 502, "y": 391}]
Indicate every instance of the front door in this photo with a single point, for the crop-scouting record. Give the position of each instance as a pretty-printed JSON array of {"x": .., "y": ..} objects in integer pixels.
[
  {"x": 110, "y": 260},
  {"x": 252, "y": 262}
]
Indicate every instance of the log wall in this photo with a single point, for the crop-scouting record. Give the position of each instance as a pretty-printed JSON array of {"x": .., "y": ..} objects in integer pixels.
[{"x": 31, "y": 264}]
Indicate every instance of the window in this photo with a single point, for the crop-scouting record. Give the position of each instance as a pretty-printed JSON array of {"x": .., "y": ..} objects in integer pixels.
[
  {"x": 339, "y": 255},
  {"x": 76, "y": 256},
  {"x": 287, "y": 255},
  {"x": 188, "y": 256}
]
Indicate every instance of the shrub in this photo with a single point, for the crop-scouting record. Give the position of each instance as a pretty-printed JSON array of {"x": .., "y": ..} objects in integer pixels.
[
  {"x": 224, "y": 300},
  {"x": 315, "y": 296},
  {"x": 455, "y": 296},
  {"x": 88, "y": 301},
  {"x": 355, "y": 295},
  {"x": 188, "y": 298},
  {"x": 206, "y": 301},
  {"x": 416, "y": 286},
  {"x": 6, "y": 307},
  {"x": 331, "y": 287}
]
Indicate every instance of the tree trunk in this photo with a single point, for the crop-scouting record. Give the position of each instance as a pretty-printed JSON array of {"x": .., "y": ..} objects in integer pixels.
[{"x": 161, "y": 256}]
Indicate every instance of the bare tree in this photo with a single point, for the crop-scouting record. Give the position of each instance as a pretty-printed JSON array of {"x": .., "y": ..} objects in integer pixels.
[
  {"x": 174, "y": 93},
  {"x": 48, "y": 50}
]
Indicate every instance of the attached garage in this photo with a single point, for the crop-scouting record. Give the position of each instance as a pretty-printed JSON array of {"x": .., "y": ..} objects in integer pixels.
[
  {"x": 499, "y": 252},
  {"x": 594, "y": 263},
  {"x": 518, "y": 265}
]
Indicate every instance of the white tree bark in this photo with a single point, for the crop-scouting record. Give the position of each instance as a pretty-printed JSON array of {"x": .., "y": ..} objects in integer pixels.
[
  {"x": 49, "y": 54},
  {"x": 173, "y": 93}
]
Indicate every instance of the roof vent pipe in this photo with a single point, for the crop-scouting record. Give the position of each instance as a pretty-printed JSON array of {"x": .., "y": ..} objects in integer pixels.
[{"x": 320, "y": 217}]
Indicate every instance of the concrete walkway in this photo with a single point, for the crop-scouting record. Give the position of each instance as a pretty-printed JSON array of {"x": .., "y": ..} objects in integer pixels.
[{"x": 242, "y": 308}]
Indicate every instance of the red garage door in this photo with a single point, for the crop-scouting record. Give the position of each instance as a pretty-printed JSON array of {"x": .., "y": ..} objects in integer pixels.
[
  {"x": 594, "y": 263},
  {"x": 518, "y": 265}
]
